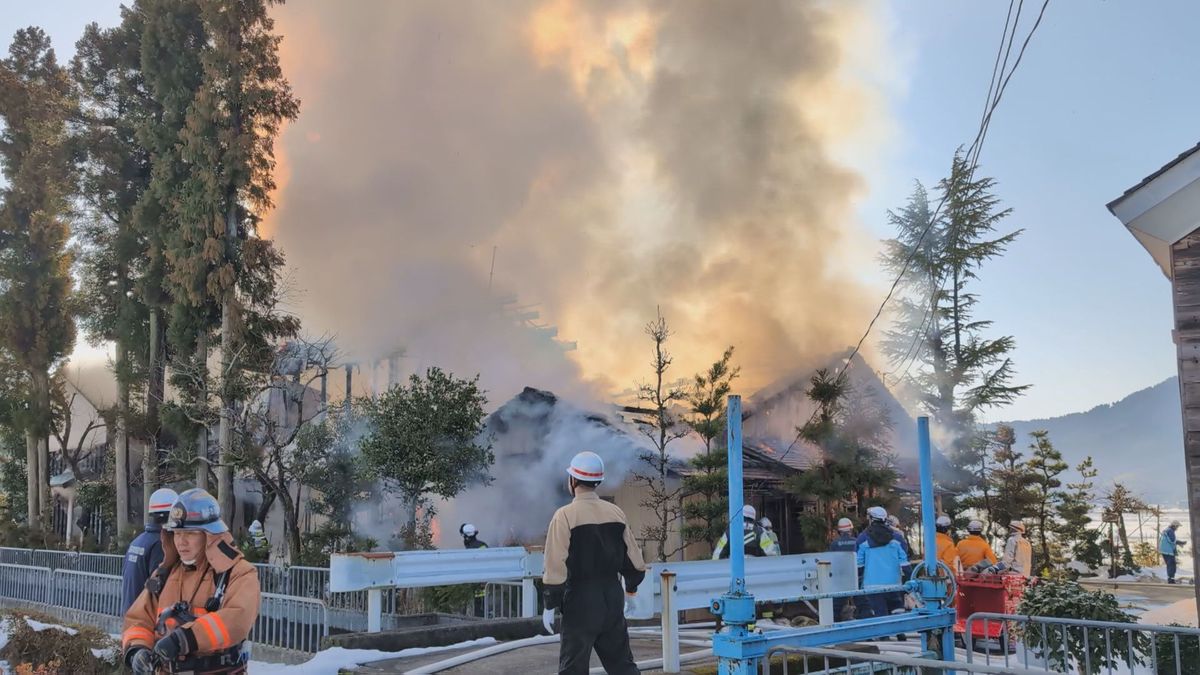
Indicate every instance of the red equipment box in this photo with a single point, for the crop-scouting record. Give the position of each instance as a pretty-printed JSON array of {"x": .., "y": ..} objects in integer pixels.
[{"x": 997, "y": 593}]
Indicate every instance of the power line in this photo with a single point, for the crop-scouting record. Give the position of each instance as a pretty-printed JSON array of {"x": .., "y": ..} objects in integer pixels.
[{"x": 972, "y": 158}]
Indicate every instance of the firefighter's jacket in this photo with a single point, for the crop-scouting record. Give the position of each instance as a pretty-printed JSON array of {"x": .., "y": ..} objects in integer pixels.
[
  {"x": 212, "y": 632},
  {"x": 947, "y": 552},
  {"x": 1018, "y": 554},
  {"x": 588, "y": 545},
  {"x": 973, "y": 549},
  {"x": 757, "y": 542}
]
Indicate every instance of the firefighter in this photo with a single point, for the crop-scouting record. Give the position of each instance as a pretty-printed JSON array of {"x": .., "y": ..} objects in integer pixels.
[
  {"x": 881, "y": 558},
  {"x": 588, "y": 545},
  {"x": 844, "y": 608},
  {"x": 894, "y": 523},
  {"x": 845, "y": 540},
  {"x": 470, "y": 536},
  {"x": 974, "y": 549},
  {"x": 1018, "y": 553},
  {"x": 471, "y": 540},
  {"x": 758, "y": 542},
  {"x": 199, "y": 606},
  {"x": 145, "y": 551},
  {"x": 947, "y": 551},
  {"x": 769, "y": 531}
]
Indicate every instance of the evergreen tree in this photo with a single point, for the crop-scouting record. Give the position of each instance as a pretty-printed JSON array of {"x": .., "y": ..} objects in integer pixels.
[
  {"x": 36, "y": 303},
  {"x": 958, "y": 372},
  {"x": 114, "y": 104},
  {"x": 706, "y": 506},
  {"x": 173, "y": 38},
  {"x": 425, "y": 440},
  {"x": 1073, "y": 517},
  {"x": 1045, "y": 467},
  {"x": 1119, "y": 502},
  {"x": 1012, "y": 484},
  {"x": 228, "y": 141},
  {"x": 850, "y": 428}
]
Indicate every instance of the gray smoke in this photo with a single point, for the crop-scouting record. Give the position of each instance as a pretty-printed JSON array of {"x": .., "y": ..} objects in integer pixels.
[{"x": 620, "y": 155}]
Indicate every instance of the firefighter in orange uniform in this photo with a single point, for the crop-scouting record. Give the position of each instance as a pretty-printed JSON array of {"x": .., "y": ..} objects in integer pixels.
[{"x": 199, "y": 606}]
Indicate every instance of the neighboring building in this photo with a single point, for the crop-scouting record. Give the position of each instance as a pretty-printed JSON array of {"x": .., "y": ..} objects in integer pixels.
[{"x": 1163, "y": 213}]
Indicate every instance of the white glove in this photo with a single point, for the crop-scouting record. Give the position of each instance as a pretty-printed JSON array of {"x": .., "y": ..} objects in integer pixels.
[
  {"x": 548, "y": 621},
  {"x": 629, "y": 605}
]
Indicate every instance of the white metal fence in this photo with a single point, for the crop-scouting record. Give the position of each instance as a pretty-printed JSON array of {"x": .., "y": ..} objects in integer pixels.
[
  {"x": 1081, "y": 645},
  {"x": 297, "y": 609}
]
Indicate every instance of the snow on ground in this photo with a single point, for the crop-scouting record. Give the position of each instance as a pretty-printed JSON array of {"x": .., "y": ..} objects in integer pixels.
[
  {"x": 1154, "y": 574},
  {"x": 329, "y": 661},
  {"x": 1182, "y": 612},
  {"x": 39, "y": 627}
]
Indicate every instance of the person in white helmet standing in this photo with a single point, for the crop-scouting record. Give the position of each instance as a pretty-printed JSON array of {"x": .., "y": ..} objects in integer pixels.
[
  {"x": 769, "y": 531},
  {"x": 757, "y": 542},
  {"x": 145, "y": 553},
  {"x": 1018, "y": 552},
  {"x": 588, "y": 546}
]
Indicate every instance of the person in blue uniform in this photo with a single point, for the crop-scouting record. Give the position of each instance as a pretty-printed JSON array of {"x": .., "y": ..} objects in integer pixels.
[{"x": 145, "y": 552}]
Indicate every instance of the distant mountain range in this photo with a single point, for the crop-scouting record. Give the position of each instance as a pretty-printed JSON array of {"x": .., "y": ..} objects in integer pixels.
[{"x": 1137, "y": 441}]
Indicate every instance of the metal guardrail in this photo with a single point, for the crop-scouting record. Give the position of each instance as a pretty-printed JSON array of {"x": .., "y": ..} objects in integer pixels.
[
  {"x": 25, "y": 583},
  {"x": 1082, "y": 645},
  {"x": 813, "y": 660},
  {"x": 502, "y": 600},
  {"x": 290, "y": 622},
  {"x": 86, "y": 591}
]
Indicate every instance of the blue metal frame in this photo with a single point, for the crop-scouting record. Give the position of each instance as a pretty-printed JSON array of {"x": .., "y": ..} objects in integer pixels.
[{"x": 739, "y": 649}]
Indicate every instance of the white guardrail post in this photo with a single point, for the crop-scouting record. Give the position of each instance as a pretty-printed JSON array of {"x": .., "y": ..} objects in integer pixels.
[
  {"x": 670, "y": 622},
  {"x": 529, "y": 598},
  {"x": 825, "y": 585}
]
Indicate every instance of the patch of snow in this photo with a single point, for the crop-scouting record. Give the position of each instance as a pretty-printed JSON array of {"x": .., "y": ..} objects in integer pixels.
[
  {"x": 1182, "y": 612},
  {"x": 108, "y": 654},
  {"x": 330, "y": 661},
  {"x": 39, "y": 627}
]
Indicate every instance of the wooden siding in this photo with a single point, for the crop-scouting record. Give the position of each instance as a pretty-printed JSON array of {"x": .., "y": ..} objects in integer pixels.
[{"x": 1185, "y": 290}]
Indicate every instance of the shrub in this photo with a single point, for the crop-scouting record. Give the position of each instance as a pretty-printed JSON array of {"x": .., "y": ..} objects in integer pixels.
[
  {"x": 1069, "y": 600},
  {"x": 78, "y": 649},
  {"x": 1189, "y": 654}
]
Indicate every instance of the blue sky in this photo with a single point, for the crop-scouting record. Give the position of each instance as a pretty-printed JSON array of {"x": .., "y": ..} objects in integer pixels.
[{"x": 1106, "y": 94}]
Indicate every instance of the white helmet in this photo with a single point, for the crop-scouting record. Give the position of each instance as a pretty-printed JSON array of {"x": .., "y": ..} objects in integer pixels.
[
  {"x": 468, "y": 530},
  {"x": 1175, "y": 524},
  {"x": 162, "y": 500},
  {"x": 975, "y": 526},
  {"x": 893, "y": 521},
  {"x": 877, "y": 513},
  {"x": 749, "y": 513},
  {"x": 944, "y": 521},
  {"x": 765, "y": 522},
  {"x": 1017, "y": 526},
  {"x": 845, "y": 524},
  {"x": 587, "y": 466}
]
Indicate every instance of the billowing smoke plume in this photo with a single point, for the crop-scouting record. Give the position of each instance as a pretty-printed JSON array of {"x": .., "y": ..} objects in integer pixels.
[{"x": 617, "y": 157}]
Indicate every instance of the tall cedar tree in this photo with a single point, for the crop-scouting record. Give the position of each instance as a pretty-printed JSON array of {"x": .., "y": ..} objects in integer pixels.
[
  {"x": 850, "y": 428},
  {"x": 114, "y": 105},
  {"x": 958, "y": 372},
  {"x": 706, "y": 507},
  {"x": 1073, "y": 523},
  {"x": 36, "y": 305},
  {"x": 1046, "y": 466},
  {"x": 662, "y": 426},
  {"x": 228, "y": 140},
  {"x": 425, "y": 439},
  {"x": 173, "y": 38}
]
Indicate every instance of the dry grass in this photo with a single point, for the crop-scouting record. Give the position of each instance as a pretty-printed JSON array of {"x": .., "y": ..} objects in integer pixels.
[{"x": 53, "y": 652}]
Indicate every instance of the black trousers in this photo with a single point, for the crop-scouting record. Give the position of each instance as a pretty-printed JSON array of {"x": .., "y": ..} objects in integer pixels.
[{"x": 594, "y": 618}]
